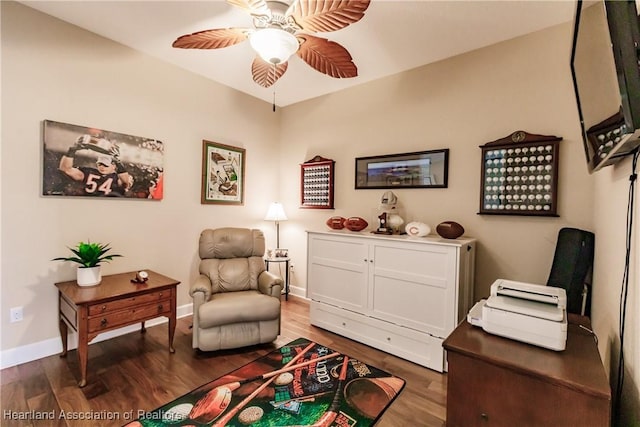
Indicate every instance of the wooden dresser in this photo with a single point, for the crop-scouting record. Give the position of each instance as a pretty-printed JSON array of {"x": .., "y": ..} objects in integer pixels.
[{"x": 495, "y": 381}]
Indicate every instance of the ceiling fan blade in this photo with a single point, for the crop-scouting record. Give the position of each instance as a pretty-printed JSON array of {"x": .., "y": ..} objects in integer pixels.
[
  {"x": 326, "y": 56},
  {"x": 265, "y": 73},
  {"x": 316, "y": 15},
  {"x": 254, "y": 7},
  {"x": 213, "y": 39}
]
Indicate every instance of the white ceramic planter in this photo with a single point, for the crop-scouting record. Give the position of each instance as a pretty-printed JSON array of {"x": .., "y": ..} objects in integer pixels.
[{"x": 89, "y": 276}]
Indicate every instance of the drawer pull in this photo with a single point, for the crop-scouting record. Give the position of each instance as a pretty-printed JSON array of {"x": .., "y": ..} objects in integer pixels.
[
  {"x": 160, "y": 294},
  {"x": 159, "y": 307},
  {"x": 104, "y": 307},
  {"x": 371, "y": 261},
  {"x": 344, "y": 324},
  {"x": 484, "y": 417},
  {"x": 103, "y": 322},
  {"x": 389, "y": 339}
]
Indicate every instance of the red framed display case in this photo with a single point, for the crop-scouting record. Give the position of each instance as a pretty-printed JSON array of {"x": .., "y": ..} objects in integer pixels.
[{"x": 316, "y": 188}]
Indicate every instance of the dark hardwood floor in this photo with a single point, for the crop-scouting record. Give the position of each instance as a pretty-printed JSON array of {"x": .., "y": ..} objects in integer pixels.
[{"x": 136, "y": 372}]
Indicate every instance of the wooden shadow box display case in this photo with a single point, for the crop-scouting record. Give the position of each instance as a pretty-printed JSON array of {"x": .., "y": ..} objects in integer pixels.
[
  {"x": 316, "y": 188},
  {"x": 520, "y": 175}
]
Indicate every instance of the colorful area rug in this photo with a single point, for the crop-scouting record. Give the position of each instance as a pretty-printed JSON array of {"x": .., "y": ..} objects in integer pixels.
[{"x": 299, "y": 384}]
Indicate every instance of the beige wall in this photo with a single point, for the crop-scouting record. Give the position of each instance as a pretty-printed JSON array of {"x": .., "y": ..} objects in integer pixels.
[
  {"x": 51, "y": 70},
  {"x": 611, "y": 194},
  {"x": 460, "y": 104}
]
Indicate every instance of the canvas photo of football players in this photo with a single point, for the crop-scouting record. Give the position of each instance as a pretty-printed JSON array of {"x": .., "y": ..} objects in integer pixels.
[
  {"x": 108, "y": 178},
  {"x": 81, "y": 161}
]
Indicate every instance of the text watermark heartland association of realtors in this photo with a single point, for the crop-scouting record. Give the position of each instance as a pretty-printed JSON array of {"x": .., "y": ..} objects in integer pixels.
[{"x": 72, "y": 415}]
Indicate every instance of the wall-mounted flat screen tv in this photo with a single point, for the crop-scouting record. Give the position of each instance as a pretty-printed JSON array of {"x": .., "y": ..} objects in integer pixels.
[{"x": 606, "y": 78}]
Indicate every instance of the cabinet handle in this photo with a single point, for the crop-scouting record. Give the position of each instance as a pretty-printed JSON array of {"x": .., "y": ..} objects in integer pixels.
[
  {"x": 365, "y": 260},
  {"x": 103, "y": 322},
  {"x": 389, "y": 339},
  {"x": 371, "y": 261},
  {"x": 484, "y": 417},
  {"x": 344, "y": 324}
]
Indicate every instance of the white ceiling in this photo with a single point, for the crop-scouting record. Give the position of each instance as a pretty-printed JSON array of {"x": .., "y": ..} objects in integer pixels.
[{"x": 393, "y": 36}]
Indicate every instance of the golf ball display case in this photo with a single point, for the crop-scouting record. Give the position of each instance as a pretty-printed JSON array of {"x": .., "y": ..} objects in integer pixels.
[
  {"x": 520, "y": 175},
  {"x": 317, "y": 177}
]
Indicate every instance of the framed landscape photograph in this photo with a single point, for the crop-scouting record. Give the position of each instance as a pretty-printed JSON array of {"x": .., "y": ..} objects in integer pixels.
[
  {"x": 424, "y": 169},
  {"x": 222, "y": 174},
  {"x": 91, "y": 162}
]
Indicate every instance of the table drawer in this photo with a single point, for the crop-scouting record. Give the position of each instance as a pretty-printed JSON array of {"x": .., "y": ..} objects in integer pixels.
[
  {"x": 128, "y": 316},
  {"x": 69, "y": 312},
  {"x": 137, "y": 300}
]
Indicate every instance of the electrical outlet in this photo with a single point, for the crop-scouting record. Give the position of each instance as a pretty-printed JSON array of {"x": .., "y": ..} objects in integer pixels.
[{"x": 16, "y": 314}]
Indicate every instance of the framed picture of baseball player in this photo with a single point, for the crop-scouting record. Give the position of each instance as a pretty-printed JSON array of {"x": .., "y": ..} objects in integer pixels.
[
  {"x": 90, "y": 162},
  {"x": 222, "y": 174}
]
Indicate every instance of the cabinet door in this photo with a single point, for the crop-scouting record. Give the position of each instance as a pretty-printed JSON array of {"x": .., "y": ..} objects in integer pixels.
[
  {"x": 480, "y": 393},
  {"x": 414, "y": 285},
  {"x": 337, "y": 271}
]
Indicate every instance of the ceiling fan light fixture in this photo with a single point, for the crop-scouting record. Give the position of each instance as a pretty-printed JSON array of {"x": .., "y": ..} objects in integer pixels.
[{"x": 274, "y": 45}]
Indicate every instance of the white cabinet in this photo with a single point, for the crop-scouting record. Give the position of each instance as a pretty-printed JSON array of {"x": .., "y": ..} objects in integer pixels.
[{"x": 400, "y": 294}]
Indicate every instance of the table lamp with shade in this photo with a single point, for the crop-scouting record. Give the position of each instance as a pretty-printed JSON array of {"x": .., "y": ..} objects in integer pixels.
[{"x": 276, "y": 213}]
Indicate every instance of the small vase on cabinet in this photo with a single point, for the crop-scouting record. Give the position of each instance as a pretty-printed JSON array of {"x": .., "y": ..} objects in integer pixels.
[{"x": 89, "y": 276}]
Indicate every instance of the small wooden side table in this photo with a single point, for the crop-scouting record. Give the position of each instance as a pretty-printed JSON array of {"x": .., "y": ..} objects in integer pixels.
[
  {"x": 286, "y": 260},
  {"x": 114, "y": 303}
]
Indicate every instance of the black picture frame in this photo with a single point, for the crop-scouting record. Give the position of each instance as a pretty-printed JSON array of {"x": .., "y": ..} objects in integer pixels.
[{"x": 420, "y": 169}]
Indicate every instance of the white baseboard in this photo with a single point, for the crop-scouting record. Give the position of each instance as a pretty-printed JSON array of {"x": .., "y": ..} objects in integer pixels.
[
  {"x": 297, "y": 291},
  {"x": 27, "y": 353}
]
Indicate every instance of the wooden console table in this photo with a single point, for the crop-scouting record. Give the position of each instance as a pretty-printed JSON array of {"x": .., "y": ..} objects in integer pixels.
[
  {"x": 495, "y": 381},
  {"x": 114, "y": 303}
]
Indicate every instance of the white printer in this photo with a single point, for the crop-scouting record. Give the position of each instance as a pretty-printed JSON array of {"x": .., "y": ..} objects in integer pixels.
[{"x": 535, "y": 314}]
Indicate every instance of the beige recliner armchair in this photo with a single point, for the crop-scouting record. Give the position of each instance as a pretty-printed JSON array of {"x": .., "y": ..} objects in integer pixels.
[{"x": 236, "y": 302}]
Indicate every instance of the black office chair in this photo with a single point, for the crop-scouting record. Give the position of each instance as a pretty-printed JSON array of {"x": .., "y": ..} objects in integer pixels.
[{"x": 572, "y": 268}]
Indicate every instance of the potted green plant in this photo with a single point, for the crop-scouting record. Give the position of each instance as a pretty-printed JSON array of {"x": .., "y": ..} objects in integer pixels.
[{"x": 89, "y": 256}]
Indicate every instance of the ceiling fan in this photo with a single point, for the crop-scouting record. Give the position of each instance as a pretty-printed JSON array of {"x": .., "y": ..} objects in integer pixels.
[{"x": 281, "y": 28}]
